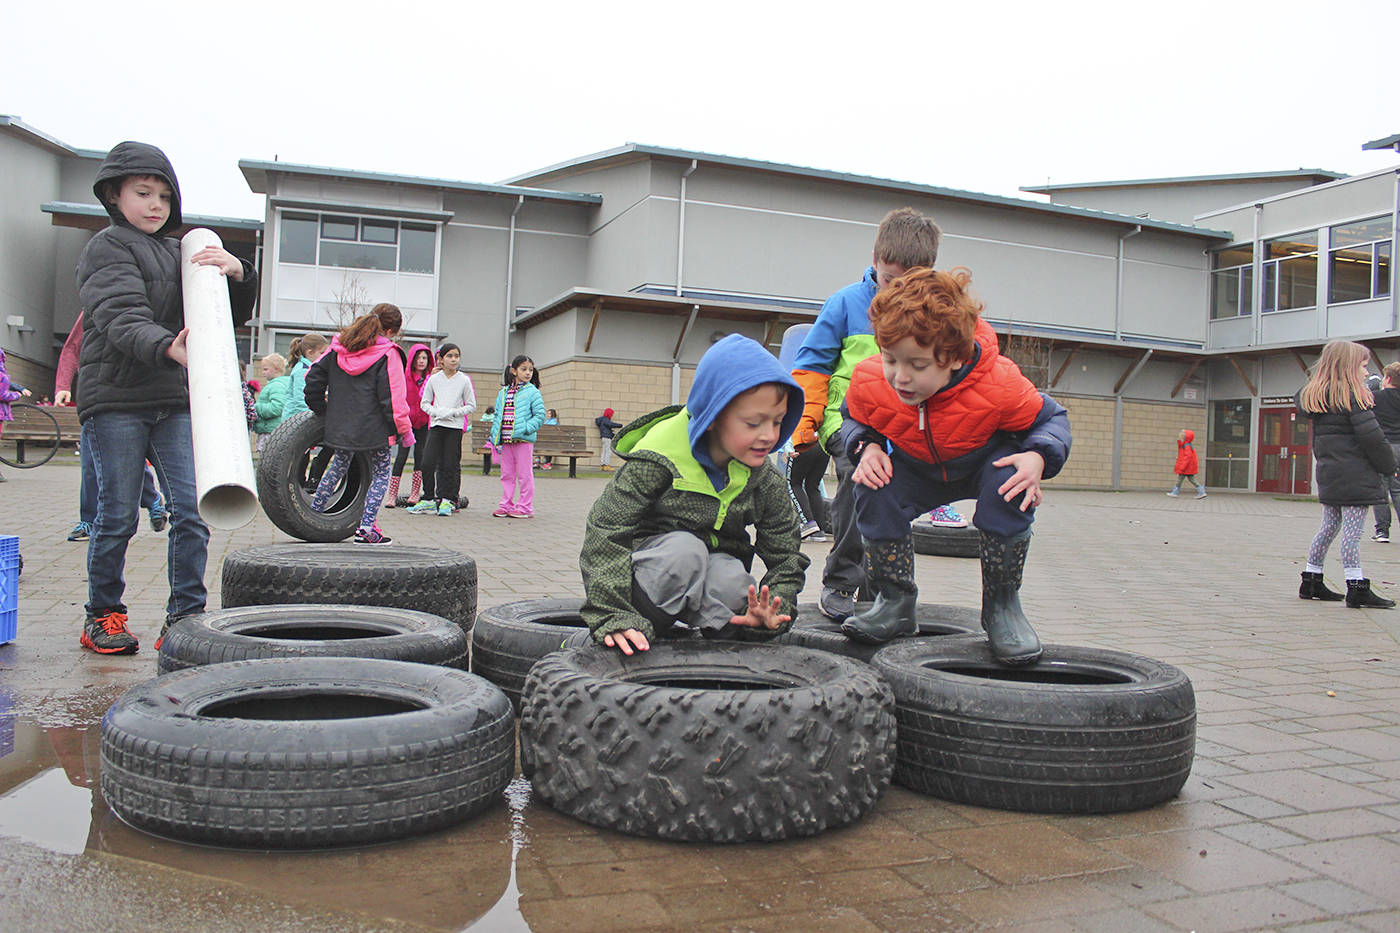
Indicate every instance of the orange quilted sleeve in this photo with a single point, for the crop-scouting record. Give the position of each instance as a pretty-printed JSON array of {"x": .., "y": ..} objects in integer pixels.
[{"x": 814, "y": 386}]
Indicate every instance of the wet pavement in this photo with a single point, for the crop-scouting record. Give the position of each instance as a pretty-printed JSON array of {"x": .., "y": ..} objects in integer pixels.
[{"x": 1290, "y": 819}]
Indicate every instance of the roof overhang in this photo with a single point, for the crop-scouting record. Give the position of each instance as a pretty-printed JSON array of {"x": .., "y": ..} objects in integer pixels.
[
  {"x": 257, "y": 172},
  {"x": 344, "y": 207},
  {"x": 94, "y": 217},
  {"x": 1385, "y": 142},
  {"x": 592, "y": 299}
]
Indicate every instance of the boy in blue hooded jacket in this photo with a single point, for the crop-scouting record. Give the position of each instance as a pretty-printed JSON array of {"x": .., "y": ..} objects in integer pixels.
[{"x": 669, "y": 538}]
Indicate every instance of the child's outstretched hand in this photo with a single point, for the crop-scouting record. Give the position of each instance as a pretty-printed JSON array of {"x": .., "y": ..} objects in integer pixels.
[
  {"x": 762, "y": 611},
  {"x": 1029, "y": 466},
  {"x": 626, "y": 640},
  {"x": 875, "y": 468},
  {"x": 228, "y": 263}
]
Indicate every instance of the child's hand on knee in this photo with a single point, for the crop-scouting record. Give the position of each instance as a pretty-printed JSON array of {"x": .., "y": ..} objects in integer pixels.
[
  {"x": 762, "y": 611},
  {"x": 1026, "y": 480},
  {"x": 626, "y": 640},
  {"x": 875, "y": 468}
]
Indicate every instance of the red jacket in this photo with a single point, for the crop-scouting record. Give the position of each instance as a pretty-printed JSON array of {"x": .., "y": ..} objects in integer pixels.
[
  {"x": 1186, "y": 462},
  {"x": 955, "y": 421}
]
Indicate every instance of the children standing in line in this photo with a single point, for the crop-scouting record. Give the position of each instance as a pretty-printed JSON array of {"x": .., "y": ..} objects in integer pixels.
[
  {"x": 839, "y": 339},
  {"x": 133, "y": 396},
  {"x": 358, "y": 387},
  {"x": 1353, "y": 462},
  {"x": 939, "y": 416},
  {"x": 449, "y": 398},
  {"x": 1187, "y": 464},
  {"x": 606, "y": 429},
  {"x": 673, "y": 536},
  {"x": 519, "y": 414},
  {"x": 420, "y": 367}
]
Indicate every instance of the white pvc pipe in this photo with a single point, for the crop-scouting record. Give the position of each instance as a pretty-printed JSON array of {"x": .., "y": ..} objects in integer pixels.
[{"x": 223, "y": 461}]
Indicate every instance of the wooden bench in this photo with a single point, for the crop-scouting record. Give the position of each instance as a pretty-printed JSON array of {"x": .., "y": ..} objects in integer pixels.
[
  {"x": 28, "y": 427},
  {"x": 554, "y": 440}
]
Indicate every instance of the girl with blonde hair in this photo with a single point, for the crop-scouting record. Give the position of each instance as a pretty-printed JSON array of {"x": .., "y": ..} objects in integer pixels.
[{"x": 1353, "y": 461}]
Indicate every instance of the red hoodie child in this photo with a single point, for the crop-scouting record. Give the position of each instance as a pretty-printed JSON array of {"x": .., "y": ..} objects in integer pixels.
[{"x": 1186, "y": 464}]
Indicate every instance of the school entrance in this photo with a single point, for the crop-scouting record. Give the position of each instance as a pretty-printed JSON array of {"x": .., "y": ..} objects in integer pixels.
[{"x": 1285, "y": 449}]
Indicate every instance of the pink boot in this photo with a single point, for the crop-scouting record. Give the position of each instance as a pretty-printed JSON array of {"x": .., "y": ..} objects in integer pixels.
[
  {"x": 391, "y": 498},
  {"x": 415, "y": 491}
]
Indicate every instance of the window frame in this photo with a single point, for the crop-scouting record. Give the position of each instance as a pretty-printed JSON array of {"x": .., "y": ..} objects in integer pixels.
[
  {"x": 1378, "y": 289},
  {"x": 1243, "y": 274},
  {"x": 1270, "y": 269}
]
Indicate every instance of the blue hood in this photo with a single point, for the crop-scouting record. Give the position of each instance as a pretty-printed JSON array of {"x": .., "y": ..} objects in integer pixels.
[{"x": 729, "y": 368}]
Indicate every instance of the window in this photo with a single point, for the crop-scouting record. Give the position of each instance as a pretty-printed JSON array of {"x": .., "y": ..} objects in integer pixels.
[
  {"x": 1290, "y": 272},
  {"x": 1226, "y": 454},
  {"x": 358, "y": 243},
  {"x": 1359, "y": 262},
  {"x": 1232, "y": 282},
  {"x": 298, "y": 242}
]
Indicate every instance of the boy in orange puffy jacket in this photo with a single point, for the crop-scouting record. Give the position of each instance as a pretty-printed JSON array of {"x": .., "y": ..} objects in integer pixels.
[{"x": 1186, "y": 464}]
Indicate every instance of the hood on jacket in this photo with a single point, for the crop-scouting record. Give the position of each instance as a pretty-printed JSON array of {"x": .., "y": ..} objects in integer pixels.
[
  {"x": 358, "y": 361},
  {"x": 729, "y": 368},
  {"x": 412, "y": 353},
  {"x": 131, "y": 158},
  {"x": 1189, "y": 435}
]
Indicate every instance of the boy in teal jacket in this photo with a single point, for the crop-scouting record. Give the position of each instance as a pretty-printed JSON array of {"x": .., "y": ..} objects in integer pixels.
[{"x": 669, "y": 539}]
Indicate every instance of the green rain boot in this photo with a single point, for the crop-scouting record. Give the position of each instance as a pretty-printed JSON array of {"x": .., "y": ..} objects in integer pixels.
[
  {"x": 889, "y": 571},
  {"x": 1013, "y": 640}
]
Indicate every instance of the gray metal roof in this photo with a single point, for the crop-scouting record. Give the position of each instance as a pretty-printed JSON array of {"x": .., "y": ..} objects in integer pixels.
[
  {"x": 1183, "y": 180},
  {"x": 256, "y": 173},
  {"x": 47, "y": 141},
  {"x": 634, "y": 150},
  {"x": 1388, "y": 142},
  {"x": 74, "y": 208}
]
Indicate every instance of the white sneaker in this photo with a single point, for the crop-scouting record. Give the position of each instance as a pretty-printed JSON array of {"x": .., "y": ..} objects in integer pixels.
[
  {"x": 1174, "y": 493},
  {"x": 1201, "y": 494},
  {"x": 808, "y": 529},
  {"x": 1381, "y": 537}
]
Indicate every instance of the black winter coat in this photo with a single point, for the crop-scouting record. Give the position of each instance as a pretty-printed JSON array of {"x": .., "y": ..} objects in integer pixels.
[
  {"x": 1351, "y": 454},
  {"x": 1388, "y": 413},
  {"x": 129, "y": 285},
  {"x": 363, "y": 414}
]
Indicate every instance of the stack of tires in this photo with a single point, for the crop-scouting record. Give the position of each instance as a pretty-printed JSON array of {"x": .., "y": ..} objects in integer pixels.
[{"x": 328, "y": 703}]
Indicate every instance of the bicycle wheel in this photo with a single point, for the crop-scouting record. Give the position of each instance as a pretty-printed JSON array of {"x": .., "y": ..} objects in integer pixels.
[{"x": 35, "y": 434}]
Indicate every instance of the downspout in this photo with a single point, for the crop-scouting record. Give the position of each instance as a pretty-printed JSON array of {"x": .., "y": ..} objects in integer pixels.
[
  {"x": 510, "y": 283},
  {"x": 1256, "y": 290},
  {"x": 256, "y": 339},
  {"x": 1394, "y": 238},
  {"x": 1118, "y": 288},
  {"x": 680, "y": 228}
]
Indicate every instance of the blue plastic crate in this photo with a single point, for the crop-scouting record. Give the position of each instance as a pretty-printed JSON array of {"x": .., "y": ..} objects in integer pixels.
[{"x": 9, "y": 588}]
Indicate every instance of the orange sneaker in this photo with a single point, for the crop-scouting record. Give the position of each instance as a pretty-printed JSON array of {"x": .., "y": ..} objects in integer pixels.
[{"x": 108, "y": 634}]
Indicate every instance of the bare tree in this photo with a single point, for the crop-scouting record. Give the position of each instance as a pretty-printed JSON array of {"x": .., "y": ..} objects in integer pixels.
[
  {"x": 350, "y": 300},
  {"x": 1030, "y": 353}
]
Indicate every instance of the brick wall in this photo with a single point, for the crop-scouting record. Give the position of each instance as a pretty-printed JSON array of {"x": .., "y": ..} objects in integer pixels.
[
  {"x": 581, "y": 389},
  {"x": 1091, "y": 456},
  {"x": 1149, "y": 442}
]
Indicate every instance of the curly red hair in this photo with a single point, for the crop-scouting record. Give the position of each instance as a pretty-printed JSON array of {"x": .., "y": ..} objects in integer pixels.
[{"x": 933, "y": 307}]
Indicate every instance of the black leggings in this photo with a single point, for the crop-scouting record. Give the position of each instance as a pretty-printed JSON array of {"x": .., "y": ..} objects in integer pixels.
[
  {"x": 805, "y": 472},
  {"x": 419, "y": 435},
  {"x": 442, "y": 464}
]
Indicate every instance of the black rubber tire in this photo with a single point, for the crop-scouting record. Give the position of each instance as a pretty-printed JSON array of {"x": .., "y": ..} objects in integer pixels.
[
  {"x": 1082, "y": 730},
  {"x": 312, "y": 631},
  {"x": 942, "y": 541},
  {"x": 306, "y": 752},
  {"x": 704, "y": 741},
  {"x": 432, "y": 580},
  {"x": 282, "y": 471},
  {"x": 508, "y": 639},
  {"x": 814, "y": 630}
]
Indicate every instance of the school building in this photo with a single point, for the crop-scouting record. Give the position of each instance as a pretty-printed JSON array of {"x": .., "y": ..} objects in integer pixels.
[{"x": 1144, "y": 306}]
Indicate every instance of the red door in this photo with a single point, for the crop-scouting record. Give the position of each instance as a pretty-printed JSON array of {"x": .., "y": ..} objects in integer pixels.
[{"x": 1285, "y": 452}]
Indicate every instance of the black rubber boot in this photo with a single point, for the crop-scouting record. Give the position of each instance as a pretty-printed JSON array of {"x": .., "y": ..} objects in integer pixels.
[
  {"x": 1361, "y": 596},
  {"x": 1013, "y": 640},
  {"x": 1314, "y": 588},
  {"x": 889, "y": 570}
]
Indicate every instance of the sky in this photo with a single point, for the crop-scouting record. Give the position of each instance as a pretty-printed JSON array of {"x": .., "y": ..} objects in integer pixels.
[{"x": 984, "y": 96}]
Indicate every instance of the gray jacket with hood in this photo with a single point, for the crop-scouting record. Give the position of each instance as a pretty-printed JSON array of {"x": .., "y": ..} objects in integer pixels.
[{"x": 129, "y": 285}]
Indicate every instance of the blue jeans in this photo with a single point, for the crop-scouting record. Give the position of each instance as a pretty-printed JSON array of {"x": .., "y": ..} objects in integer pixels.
[
  {"x": 87, "y": 492},
  {"x": 121, "y": 442}
]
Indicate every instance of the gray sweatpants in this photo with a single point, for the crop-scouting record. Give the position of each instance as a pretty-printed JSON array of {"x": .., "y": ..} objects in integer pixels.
[{"x": 676, "y": 577}]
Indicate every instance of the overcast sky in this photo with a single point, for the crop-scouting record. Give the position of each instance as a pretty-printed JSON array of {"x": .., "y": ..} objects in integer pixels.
[{"x": 986, "y": 96}]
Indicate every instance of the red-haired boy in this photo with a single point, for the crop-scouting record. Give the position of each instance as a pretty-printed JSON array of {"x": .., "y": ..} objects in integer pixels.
[{"x": 941, "y": 415}]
